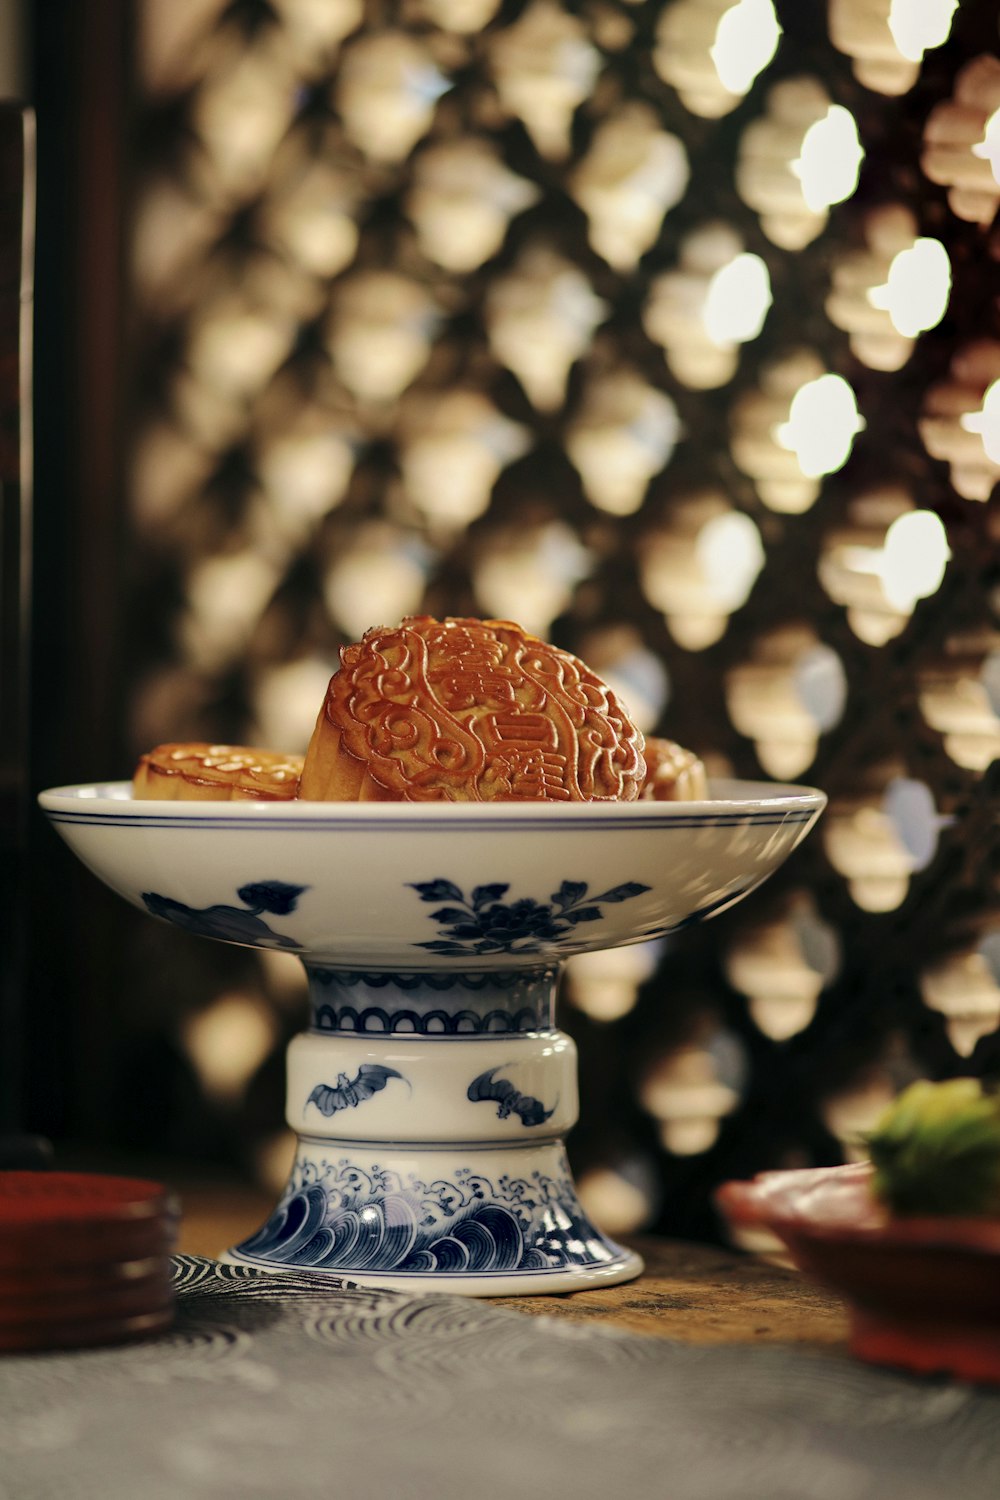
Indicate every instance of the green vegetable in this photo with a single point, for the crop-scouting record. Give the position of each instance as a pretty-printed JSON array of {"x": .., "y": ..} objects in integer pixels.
[{"x": 936, "y": 1150}]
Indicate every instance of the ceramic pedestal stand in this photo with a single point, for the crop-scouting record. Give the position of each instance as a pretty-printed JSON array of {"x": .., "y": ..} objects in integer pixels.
[
  {"x": 431, "y": 1110},
  {"x": 432, "y": 1092}
]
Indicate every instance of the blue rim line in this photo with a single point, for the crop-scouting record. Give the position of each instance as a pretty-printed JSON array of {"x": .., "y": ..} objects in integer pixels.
[{"x": 706, "y": 820}]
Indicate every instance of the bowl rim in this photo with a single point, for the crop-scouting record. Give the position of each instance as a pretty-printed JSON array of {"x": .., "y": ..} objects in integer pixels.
[
  {"x": 755, "y": 1203},
  {"x": 734, "y": 798}
]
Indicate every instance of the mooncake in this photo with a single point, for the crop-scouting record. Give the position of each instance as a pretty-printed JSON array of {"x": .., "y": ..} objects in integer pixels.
[
  {"x": 467, "y": 710},
  {"x": 233, "y": 773},
  {"x": 673, "y": 774}
]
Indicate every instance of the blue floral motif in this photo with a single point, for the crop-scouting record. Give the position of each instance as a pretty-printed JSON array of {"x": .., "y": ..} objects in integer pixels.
[
  {"x": 234, "y": 924},
  {"x": 344, "y": 1218},
  {"x": 484, "y": 923}
]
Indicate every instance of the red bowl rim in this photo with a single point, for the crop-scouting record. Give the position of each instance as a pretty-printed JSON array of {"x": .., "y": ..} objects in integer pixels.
[{"x": 799, "y": 1203}]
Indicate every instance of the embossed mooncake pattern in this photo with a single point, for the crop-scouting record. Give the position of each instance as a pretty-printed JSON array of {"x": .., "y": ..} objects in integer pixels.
[
  {"x": 469, "y": 710},
  {"x": 231, "y": 773}
]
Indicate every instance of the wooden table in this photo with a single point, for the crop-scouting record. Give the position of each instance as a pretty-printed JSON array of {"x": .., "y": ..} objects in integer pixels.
[{"x": 699, "y": 1294}]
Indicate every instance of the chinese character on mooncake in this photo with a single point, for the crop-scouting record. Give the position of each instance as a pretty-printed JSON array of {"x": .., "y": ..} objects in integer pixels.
[{"x": 469, "y": 711}]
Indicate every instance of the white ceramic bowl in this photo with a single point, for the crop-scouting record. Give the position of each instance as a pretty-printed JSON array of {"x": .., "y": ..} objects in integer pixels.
[{"x": 417, "y": 886}]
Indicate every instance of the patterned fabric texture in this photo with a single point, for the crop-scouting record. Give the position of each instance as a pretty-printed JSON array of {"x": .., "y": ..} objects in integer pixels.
[{"x": 290, "y": 1387}]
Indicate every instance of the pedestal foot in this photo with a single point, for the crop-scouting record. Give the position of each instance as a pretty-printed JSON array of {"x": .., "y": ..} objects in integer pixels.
[{"x": 482, "y": 1222}]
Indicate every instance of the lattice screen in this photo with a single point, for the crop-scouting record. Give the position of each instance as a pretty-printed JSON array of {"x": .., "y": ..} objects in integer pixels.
[{"x": 669, "y": 329}]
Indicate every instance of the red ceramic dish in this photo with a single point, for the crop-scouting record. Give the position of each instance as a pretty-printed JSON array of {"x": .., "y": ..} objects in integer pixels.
[
  {"x": 922, "y": 1293},
  {"x": 30, "y": 1338},
  {"x": 50, "y": 1219}
]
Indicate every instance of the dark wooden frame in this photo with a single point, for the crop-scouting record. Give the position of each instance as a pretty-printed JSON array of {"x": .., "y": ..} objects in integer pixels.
[
  {"x": 79, "y": 68},
  {"x": 17, "y": 227}
]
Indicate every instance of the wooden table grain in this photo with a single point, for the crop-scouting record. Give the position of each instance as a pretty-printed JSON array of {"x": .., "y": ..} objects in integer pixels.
[
  {"x": 698, "y": 1294},
  {"x": 703, "y": 1294}
]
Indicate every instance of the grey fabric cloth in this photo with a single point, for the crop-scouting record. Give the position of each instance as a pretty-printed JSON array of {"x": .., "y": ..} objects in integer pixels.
[{"x": 290, "y": 1386}]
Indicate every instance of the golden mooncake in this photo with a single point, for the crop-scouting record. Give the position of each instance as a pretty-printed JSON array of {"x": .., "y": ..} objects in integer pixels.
[
  {"x": 673, "y": 774},
  {"x": 467, "y": 710},
  {"x": 231, "y": 773}
]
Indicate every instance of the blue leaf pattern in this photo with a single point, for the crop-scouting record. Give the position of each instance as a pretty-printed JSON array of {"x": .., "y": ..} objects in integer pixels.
[
  {"x": 485, "y": 924},
  {"x": 438, "y": 890},
  {"x": 234, "y": 924}
]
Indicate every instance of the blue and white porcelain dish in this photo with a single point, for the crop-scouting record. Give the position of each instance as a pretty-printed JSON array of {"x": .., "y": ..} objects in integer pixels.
[
  {"x": 432, "y": 1091},
  {"x": 433, "y": 886}
]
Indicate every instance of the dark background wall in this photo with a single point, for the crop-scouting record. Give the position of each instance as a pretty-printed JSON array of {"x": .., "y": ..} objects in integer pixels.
[{"x": 771, "y": 1036}]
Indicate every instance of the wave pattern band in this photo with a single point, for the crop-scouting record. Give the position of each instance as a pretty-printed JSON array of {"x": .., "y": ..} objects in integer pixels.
[{"x": 386, "y": 1218}]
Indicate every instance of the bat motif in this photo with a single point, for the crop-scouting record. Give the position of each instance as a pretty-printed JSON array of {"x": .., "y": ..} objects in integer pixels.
[
  {"x": 507, "y": 1099},
  {"x": 346, "y": 1093}
]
